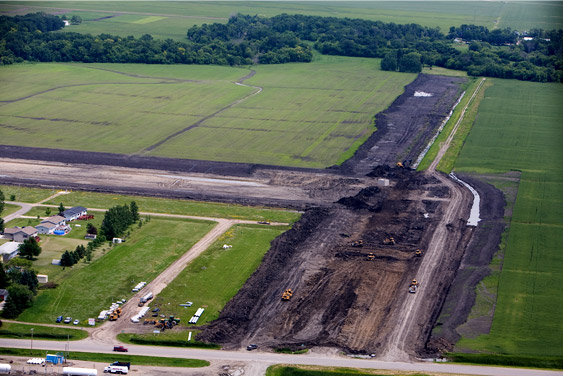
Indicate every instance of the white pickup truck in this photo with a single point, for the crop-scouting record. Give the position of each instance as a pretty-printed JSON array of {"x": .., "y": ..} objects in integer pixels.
[{"x": 122, "y": 370}]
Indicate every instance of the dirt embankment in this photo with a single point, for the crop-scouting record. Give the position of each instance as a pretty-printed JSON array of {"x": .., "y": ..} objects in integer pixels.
[
  {"x": 340, "y": 297},
  {"x": 473, "y": 268}
]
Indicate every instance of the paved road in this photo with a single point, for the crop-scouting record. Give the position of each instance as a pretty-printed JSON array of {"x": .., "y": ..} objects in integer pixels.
[{"x": 271, "y": 358}]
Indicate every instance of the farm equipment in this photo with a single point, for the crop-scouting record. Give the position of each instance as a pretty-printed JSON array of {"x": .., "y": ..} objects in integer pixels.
[
  {"x": 287, "y": 294},
  {"x": 85, "y": 217},
  {"x": 358, "y": 243},
  {"x": 370, "y": 256},
  {"x": 400, "y": 165},
  {"x": 418, "y": 253},
  {"x": 115, "y": 314}
]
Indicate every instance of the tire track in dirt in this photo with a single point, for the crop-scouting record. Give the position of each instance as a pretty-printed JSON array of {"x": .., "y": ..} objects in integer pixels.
[
  {"x": 397, "y": 346},
  {"x": 200, "y": 121}
]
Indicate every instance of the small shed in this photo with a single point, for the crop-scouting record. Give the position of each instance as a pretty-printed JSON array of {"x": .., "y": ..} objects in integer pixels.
[
  {"x": 383, "y": 182},
  {"x": 42, "y": 278},
  {"x": 57, "y": 358},
  {"x": 117, "y": 240}
]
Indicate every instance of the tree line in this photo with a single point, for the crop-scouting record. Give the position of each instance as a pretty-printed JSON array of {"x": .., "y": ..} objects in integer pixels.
[{"x": 287, "y": 38}]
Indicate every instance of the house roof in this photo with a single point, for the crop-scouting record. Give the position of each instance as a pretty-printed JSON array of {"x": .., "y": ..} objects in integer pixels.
[
  {"x": 8, "y": 248},
  {"x": 54, "y": 219},
  {"x": 46, "y": 225},
  {"x": 74, "y": 210},
  {"x": 28, "y": 230}
]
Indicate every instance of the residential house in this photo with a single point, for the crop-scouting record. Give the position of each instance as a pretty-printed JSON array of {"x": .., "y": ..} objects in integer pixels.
[
  {"x": 46, "y": 227},
  {"x": 74, "y": 212},
  {"x": 55, "y": 219},
  {"x": 8, "y": 251},
  {"x": 19, "y": 234}
]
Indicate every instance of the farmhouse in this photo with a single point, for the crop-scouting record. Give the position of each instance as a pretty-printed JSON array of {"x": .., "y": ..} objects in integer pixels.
[
  {"x": 19, "y": 234},
  {"x": 74, "y": 212},
  {"x": 55, "y": 219},
  {"x": 9, "y": 251}
]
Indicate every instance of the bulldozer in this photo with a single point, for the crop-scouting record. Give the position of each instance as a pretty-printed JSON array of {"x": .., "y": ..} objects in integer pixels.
[
  {"x": 287, "y": 294},
  {"x": 370, "y": 256},
  {"x": 358, "y": 243},
  {"x": 389, "y": 241},
  {"x": 418, "y": 253}
]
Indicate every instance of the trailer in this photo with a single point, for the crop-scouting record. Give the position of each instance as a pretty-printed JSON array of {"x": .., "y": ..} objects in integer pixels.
[
  {"x": 75, "y": 371},
  {"x": 147, "y": 297},
  {"x": 5, "y": 368}
]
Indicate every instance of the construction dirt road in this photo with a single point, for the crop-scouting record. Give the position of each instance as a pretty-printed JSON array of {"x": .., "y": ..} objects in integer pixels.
[{"x": 351, "y": 257}]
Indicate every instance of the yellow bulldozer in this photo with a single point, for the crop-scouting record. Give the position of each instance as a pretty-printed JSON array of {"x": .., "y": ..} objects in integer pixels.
[
  {"x": 287, "y": 294},
  {"x": 370, "y": 256}
]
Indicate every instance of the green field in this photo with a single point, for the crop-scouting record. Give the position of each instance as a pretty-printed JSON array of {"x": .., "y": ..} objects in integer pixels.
[
  {"x": 287, "y": 370},
  {"x": 172, "y": 19},
  {"x": 212, "y": 279},
  {"x": 300, "y": 118},
  {"x": 9, "y": 209},
  {"x": 21, "y": 331},
  {"x": 518, "y": 127},
  {"x": 172, "y": 206},
  {"x": 84, "y": 292},
  {"x": 24, "y": 194}
]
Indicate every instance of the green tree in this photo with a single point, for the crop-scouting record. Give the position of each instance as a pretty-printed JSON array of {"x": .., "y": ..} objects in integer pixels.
[
  {"x": 66, "y": 259},
  {"x": 61, "y": 208},
  {"x": 134, "y": 211},
  {"x": 389, "y": 62},
  {"x": 4, "y": 282},
  {"x": 76, "y": 20},
  {"x": 1, "y": 224},
  {"x": 19, "y": 298},
  {"x": 29, "y": 278},
  {"x": 410, "y": 63},
  {"x": 12, "y": 197},
  {"x": 91, "y": 229},
  {"x": 29, "y": 248},
  {"x": 1, "y": 201},
  {"x": 48, "y": 212},
  {"x": 115, "y": 222}
]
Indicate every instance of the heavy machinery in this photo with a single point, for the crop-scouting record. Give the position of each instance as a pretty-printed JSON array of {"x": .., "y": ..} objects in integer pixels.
[
  {"x": 413, "y": 286},
  {"x": 370, "y": 256},
  {"x": 400, "y": 165},
  {"x": 358, "y": 243},
  {"x": 389, "y": 241},
  {"x": 287, "y": 294},
  {"x": 418, "y": 253},
  {"x": 115, "y": 314}
]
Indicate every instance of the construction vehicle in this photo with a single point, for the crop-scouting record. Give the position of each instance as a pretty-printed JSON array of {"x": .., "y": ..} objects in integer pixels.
[
  {"x": 370, "y": 256},
  {"x": 400, "y": 165},
  {"x": 413, "y": 286},
  {"x": 287, "y": 294},
  {"x": 418, "y": 253},
  {"x": 358, "y": 243},
  {"x": 389, "y": 241},
  {"x": 115, "y": 314}
]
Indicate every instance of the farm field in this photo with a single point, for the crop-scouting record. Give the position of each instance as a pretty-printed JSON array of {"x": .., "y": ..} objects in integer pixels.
[
  {"x": 519, "y": 128},
  {"x": 171, "y": 206},
  {"x": 83, "y": 293},
  {"x": 299, "y": 118},
  {"x": 212, "y": 279},
  {"x": 172, "y": 19}
]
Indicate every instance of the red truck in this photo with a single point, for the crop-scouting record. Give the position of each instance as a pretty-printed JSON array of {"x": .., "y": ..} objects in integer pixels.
[{"x": 120, "y": 349}]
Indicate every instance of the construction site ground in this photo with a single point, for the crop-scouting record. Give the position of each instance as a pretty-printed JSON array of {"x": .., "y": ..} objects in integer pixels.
[{"x": 340, "y": 298}]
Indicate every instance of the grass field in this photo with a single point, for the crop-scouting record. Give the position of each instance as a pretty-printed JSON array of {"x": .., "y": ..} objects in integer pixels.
[
  {"x": 172, "y": 19},
  {"x": 83, "y": 293},
  {"x": 291, "y": 370},
  {"x": 109, "y": 358},
  {"x": 518, "y": 127},
  {"x": 21, "y": 331},
  {"x": 24, "y": 194},
  {"x": 212, "y": 279},
  {"x": 174, "y": 338},
  {"x": 171, "y": 206},
  {"x": 299, "y": 119},
  {"x": 9, "y": 209}
]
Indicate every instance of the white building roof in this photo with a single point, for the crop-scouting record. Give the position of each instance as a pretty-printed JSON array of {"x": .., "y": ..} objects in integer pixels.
[{"x": 9, "y": 248}]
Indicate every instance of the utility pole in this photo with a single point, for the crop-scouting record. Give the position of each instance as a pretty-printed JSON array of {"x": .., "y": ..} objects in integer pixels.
[{"x": 31, "y": 341}]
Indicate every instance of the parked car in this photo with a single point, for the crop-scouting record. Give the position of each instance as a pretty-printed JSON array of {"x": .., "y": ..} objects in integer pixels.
[
  {"x": 68, "y": 320},
  {"x": 120, "y": 349},
  {"x": 59, "y": 319},
  {"x": 76, "y": 322},
  {"x": 156, "y": 309},
  {"x": 251, "y": 347}
]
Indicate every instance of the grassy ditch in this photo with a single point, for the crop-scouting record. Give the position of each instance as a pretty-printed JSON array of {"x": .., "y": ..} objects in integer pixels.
[
  {"x": 171, "y": 206},
  {"x": 168, "y": 338},
  {"x": 21, "y": 331},
  {"x": 551, "y": 362},
  {"x": 24, "y": 194},
  {"x": 108, "y": 358}
]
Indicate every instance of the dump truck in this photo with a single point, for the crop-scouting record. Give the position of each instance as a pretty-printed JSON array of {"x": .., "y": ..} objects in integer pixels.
[
  {"x": 358, "y": 243},
  {"x": 287, "y": 294},
  {"x": 418, "y": 253},
  {"x": 370, "y": 256}
]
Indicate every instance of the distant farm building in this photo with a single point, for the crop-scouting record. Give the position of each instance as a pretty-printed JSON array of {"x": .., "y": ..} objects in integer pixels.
[
  {"x": 9, "y": 251},
  {"x": 74, "y": 212},
  {"x": 19, "y": 234}
]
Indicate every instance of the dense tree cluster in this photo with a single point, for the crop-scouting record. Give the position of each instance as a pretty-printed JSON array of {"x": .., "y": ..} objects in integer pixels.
[
  {"x": 29, "y": 248},
  {"x": 118, "y": 219},
  {"x": 288, "y": 38},
  {"x": 21, "y": 283},
  {"x": 70, "y": 258}
]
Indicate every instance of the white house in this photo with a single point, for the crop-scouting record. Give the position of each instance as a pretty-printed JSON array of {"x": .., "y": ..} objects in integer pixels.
[
  {"x": 74, "y": 212},
  {"x": 46, "y": 227},
  {"x": 55, "y": 219},
  {"x": 9, "y": 251}
]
